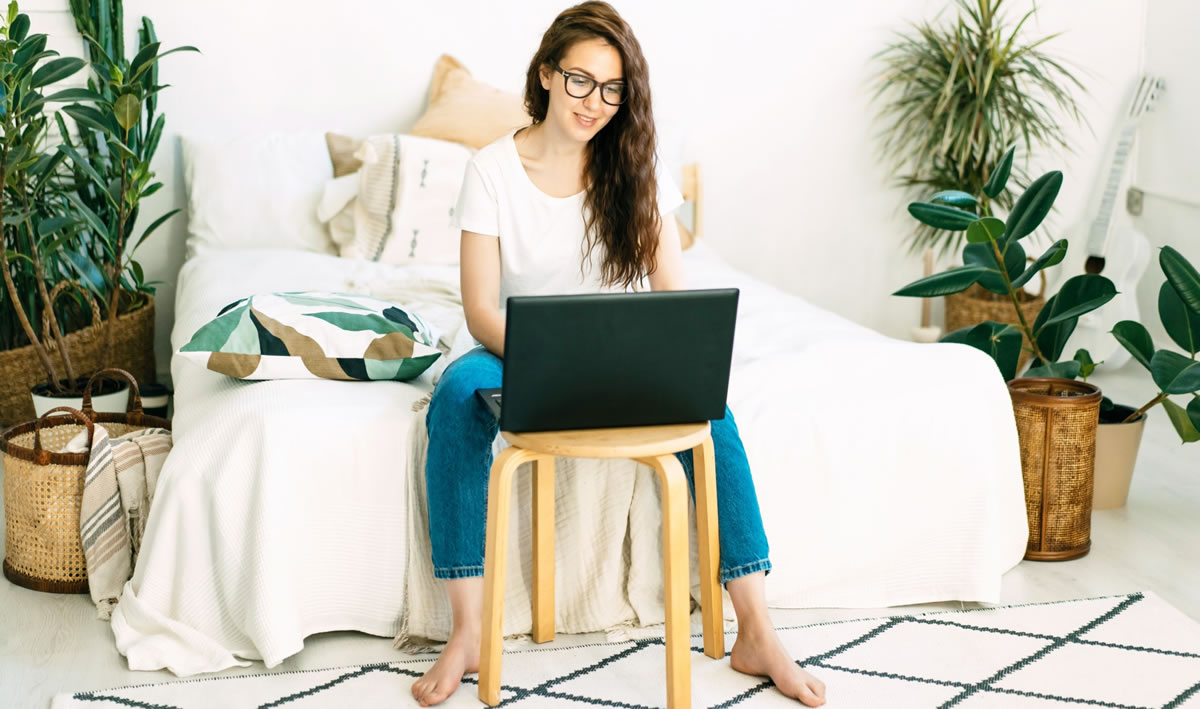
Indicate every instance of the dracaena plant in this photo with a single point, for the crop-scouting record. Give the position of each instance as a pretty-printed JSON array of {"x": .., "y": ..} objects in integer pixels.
[
  {"x": 957, "y": 94},
  {"x": 31, "y": 207},
  {"x": 118, "y": 134},
  {"x": 1171, "y": 372},
  {"x": 995, "y": 259}
]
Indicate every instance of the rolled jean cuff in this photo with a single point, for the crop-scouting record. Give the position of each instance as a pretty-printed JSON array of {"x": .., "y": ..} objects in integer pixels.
[
  {"x": 728, "y": 575},
  {"x": 458, "y": 572}
]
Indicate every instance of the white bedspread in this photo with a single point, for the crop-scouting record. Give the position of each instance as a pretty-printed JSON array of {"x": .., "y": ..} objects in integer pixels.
[{"x": 888, "y": 473}]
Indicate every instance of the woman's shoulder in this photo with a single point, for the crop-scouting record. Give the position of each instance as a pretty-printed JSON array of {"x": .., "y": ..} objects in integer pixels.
[{"x": 495, "y": 154}]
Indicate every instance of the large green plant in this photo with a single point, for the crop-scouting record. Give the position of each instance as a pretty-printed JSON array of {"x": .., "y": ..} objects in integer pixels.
[
  {"x": 958, "y": 95},
  {"x": 995, "y": 259},
  {"x": 118, "y": 135},
  {"x": 34, "y": 226}
]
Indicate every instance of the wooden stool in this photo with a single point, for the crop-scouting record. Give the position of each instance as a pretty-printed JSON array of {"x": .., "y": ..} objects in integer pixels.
[{"x": 655, "y": 446}]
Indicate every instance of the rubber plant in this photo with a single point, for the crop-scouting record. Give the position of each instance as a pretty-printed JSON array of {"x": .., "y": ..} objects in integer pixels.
[
  {"x": 1171, "y": 372},
  {"x": 995, "y": 259},
  {"x": 118, "y": 135},
  {"x": 957, "y": 94},
  {"x": 33, "y": 228}
]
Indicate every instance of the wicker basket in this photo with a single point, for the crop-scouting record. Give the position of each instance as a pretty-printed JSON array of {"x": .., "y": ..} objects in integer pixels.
[
  {"x": 1056, "y": 424},
  {"x": 43, "y": 492},
  {"x": 133, "y": 351},
  {"x": 977, "y": 304}
]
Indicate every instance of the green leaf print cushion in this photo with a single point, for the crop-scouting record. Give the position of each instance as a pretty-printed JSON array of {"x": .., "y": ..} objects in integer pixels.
[{"x": 314, "y": 335}]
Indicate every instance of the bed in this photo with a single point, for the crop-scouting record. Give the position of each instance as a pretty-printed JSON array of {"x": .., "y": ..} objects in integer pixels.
[{"x": 888, "y": 473}]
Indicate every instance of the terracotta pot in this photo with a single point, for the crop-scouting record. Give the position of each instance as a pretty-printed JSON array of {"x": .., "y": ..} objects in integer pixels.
[{"x": 1116, "y": 454}]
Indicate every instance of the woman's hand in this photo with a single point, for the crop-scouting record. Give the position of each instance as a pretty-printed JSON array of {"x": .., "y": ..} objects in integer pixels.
[{"x": 479, "y": 274}]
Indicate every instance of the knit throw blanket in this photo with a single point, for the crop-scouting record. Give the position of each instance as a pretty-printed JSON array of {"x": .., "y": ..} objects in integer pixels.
[{"x": 117, "y": 491}]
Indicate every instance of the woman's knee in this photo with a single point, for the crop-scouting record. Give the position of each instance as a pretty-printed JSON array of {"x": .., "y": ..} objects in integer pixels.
[{"x": 478, "y": 369}]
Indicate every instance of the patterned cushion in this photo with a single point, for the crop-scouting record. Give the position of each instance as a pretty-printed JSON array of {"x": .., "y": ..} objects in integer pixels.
[{"x": 314, "y": 335}]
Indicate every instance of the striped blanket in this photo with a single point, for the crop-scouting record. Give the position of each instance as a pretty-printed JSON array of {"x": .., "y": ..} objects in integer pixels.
[{"x": 117, "y": 491}]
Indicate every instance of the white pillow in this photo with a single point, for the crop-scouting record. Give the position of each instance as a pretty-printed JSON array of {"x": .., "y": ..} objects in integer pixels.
[
  {"x": 256, "y": 192},
  {"x": 403, "y": 208}
]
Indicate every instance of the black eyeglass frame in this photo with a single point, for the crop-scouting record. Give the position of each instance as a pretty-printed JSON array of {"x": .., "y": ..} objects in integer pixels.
[{"x": 595, "y": 84}]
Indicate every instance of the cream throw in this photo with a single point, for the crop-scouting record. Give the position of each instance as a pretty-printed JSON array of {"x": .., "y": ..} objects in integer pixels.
[{"x": 118, "y": 488}]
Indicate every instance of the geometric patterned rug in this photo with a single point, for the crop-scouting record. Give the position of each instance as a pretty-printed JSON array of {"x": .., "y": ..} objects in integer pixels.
[{"x": 1132, "y": 651}]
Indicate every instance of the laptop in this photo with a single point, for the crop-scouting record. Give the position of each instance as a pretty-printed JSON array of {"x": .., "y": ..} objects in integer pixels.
[{"x": 615, "y": 359}]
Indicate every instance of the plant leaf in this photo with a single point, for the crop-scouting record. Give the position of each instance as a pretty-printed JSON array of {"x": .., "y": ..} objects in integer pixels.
[
  {"x": 19, "y": 28},
  {"x": 1086, "y": 365},
  {"x": 1033, "y": 206},
  {"x": 954, "y": 198},
  {"x": 56, "y": 70},
  {"x": 1052, "y": 257},
  {"x": 1134, "y": 337},
  {"x": 1193, "y": 411},
  {"x": 1182, "y": 276},
  {"x": 1182, "y": 420},
  {"x": 940, "y": 216},
  {"x": 1080, "y": 294},
  {"x": 127, "y": 109},
  {"x": 1060, "y": 370},
  {"x": 985, "y": 255},
  {"x": 1181, "y": 324},
  {"x": 985, "y": 230},
  {"x": 944, "y": 283},
  {"x": 1174, "y": 373},
  {"x": 73, "y": 94},
  {"x": 150, "y": 229},
  {"x": 999, "y": 177},
  {"x": 1000, "y": 341}
]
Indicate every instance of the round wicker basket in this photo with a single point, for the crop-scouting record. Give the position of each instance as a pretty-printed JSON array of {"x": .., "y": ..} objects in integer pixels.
[
  {"x": 1056, "y": 425},
  {"x": 43, "y": 492}
]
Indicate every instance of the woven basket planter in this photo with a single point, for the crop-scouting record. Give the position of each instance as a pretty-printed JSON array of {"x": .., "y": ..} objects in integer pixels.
[
  {"x": 133, "y": 350},
  {"x": 43, "y": 493},
  {"x": 976, "y": 304},
  {"x": 1056, "y": 424}
]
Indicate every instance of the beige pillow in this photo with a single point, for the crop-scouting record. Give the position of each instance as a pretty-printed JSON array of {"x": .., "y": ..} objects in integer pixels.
[
  {"x": 464, "y": 110},
  {"x": 341, "y": 153}
]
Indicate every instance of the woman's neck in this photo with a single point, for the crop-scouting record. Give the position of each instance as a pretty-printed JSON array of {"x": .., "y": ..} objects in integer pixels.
[{"x": 548, "y": 146}]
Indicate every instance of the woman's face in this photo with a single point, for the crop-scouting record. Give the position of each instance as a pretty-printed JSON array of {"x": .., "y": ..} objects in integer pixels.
[{"x": 582, "y": 118}]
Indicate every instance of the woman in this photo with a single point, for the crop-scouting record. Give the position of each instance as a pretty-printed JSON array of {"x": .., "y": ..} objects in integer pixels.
[{"x": 581, "y": 180}]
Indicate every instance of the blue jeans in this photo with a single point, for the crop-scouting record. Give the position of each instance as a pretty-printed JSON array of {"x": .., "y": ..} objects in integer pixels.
[{"x": 461, "y": 431}]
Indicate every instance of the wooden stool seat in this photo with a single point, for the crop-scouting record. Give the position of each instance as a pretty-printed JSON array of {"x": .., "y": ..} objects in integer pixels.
[{"x": 654, "y": 446}]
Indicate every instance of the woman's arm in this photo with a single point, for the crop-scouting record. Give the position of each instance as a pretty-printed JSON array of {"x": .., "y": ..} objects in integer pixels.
[
  {"x": 479, "y": 271},
  {"x": 669, "y": 273}
]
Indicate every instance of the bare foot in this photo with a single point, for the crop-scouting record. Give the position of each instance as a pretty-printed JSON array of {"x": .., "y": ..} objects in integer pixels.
[
  {"x": 762, "y": 653},
  {"x": 460, "y": 656}
]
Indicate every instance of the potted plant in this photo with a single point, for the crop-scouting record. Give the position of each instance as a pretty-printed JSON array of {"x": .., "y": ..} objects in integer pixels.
[
  {"x": 954, "y": 96},
  {"x": 1056, "y": 416},
  {"x": 34, "y": 223},
  {"x": 1120, "y": 431}
]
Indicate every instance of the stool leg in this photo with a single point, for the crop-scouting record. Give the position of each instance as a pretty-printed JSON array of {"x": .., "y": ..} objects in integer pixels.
[
  {"x": 675, "y": 578},
  {"x": 495, "y": 558},
  {"x": 704, "y": 462},
  {"x": 543, "y": 549}
]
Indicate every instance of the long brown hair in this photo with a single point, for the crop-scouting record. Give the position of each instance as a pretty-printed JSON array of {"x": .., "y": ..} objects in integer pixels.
[{"x": 622, "y": 192}]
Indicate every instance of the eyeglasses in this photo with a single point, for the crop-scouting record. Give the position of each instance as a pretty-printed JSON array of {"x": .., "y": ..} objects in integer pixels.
[{"x": 613, "y": 93}]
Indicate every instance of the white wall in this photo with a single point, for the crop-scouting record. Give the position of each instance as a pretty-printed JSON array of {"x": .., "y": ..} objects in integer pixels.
[
  {"x": 771, "y": 97},
  {"x": 1168, "y": 167}
]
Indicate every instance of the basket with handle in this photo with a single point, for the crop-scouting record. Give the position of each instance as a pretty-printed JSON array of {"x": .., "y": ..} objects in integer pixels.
[{"x": 43, "y": 490}]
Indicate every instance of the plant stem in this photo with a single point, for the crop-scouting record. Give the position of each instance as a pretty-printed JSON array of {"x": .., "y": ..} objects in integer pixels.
[
  {"x": 41, "y": 285},
  {"x": 114, "y": 299},
  {"x": 12, "y": 288},
  {"x": 1012, "y": 293},
  {"x": 1153, "y": 402}
]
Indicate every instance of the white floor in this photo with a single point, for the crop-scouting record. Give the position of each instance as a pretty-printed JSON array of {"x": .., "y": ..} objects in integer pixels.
[{"x": 51, "y": 644}]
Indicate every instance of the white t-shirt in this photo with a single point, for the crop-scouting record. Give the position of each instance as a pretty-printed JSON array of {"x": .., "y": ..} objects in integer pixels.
[{"x": 541, "y": 237}]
